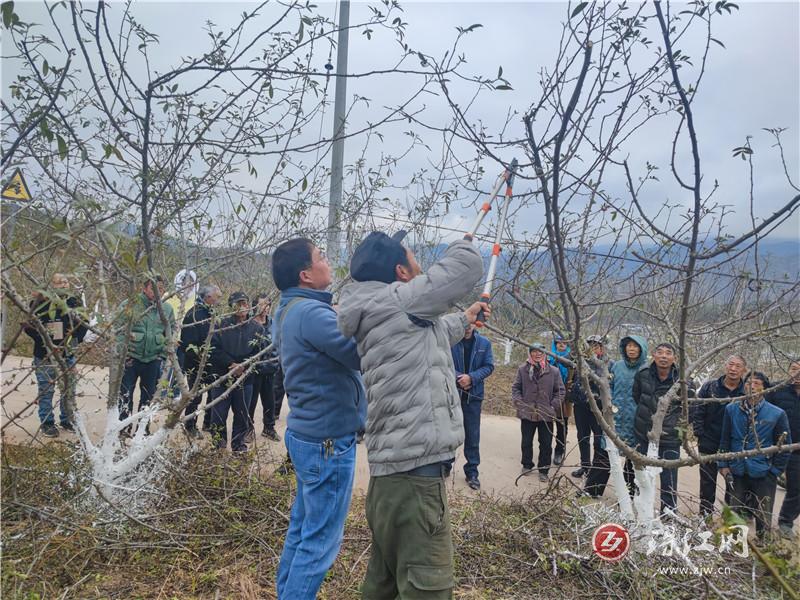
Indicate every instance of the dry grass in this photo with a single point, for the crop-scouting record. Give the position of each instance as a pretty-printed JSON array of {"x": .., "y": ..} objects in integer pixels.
[
  {"x": 216, "y": 531},
  {"x": 497, "y": 393}
]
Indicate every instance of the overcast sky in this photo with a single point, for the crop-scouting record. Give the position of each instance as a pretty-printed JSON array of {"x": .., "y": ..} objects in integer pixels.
[{"x": 753, "y": 83}]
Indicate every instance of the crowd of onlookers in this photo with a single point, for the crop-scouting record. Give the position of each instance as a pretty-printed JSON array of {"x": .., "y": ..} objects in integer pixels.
[
  {"x": 394, "y": 340},
  {"x": 212, "y": 347},
  {"x": 217, "y": 346},
  {"x": 545, "y": 394},
  {"x": 738, "y": 411}
]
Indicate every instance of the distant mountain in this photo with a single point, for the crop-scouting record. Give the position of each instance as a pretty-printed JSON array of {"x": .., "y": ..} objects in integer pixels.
[{"x": 777, "y": 259}]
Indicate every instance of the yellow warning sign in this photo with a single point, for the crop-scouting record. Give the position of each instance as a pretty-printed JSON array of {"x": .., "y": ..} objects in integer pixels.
[{"x": 17, "y": 189}]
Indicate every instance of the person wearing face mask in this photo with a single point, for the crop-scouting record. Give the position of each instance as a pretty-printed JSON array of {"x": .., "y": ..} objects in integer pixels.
[
  {"x": 182, "y": 301},
  {"x": 706, "y": 418},
  {"x": 56, "y": 313}
]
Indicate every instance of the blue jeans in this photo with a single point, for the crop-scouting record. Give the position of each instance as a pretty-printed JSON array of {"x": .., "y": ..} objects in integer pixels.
[
  {"x": 669, "y": 477},
  {"x": 238, "y": 401},
  {"x": 147, "y": 374},
  {"x": 472, "y": 436},
  {"x": 47, "y": 376},
  {"x": 324, "y": 471}
]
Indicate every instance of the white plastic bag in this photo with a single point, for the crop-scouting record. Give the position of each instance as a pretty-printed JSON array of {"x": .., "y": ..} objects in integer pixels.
[{"x": 91, "y": 337}]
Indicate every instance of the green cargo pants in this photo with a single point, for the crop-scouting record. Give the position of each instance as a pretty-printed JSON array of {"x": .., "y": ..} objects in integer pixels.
[{"x": 412, "y": 546}]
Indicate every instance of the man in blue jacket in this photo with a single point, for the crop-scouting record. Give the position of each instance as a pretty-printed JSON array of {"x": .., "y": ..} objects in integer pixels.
[
  {"x": 749, "y": 424},
  {"x": 328, "y": 408},
  {"x": 473, "y": 361}
]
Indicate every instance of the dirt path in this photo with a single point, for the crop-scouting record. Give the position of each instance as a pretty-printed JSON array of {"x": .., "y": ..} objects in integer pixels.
[{"x": 500, "y": 438}]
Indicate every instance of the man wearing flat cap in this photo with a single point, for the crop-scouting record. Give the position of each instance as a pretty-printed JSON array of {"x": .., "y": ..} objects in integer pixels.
[
  {"x": 402, "y": 323},
  {"x": 538, "y": 395},
  {"x": 233, "y": 343}
]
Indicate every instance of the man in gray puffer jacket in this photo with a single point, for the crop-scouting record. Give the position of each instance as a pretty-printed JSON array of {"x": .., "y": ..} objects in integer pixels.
[{"x": 414, "y": 424}]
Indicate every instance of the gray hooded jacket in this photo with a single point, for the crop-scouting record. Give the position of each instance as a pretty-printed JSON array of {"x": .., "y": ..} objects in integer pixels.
[{"x": 404, "y": 339}]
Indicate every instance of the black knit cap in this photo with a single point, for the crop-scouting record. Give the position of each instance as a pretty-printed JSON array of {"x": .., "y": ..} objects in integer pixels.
[{"x": 377, "y": 256}]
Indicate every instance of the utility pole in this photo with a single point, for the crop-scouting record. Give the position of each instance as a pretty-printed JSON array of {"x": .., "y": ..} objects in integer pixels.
[{"x": 337, "y": 155}]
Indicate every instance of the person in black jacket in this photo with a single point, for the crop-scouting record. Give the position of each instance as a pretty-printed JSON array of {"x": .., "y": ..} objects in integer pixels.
[
  {"x": 263, "y": 379},
  {"x": 787, "y": 397},
  {"x": 585, "y": 421},
  {"x": 194, "y": 336},
  {"x": 233, "y": 343},
  {"x": 66, "y": 330},
  {"x": 560, "y": 347},
  {"x": 649, "y": 386},
  {"x": 707, "y": 419}
]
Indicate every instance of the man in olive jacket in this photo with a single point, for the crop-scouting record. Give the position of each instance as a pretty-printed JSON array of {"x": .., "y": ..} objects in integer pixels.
[
  {"x": 144, "y": 346},
  {"x": 399, "y": 319}
]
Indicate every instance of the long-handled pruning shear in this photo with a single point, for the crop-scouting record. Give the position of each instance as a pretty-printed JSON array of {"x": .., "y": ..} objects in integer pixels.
[{"x": 508, "y": 177}]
